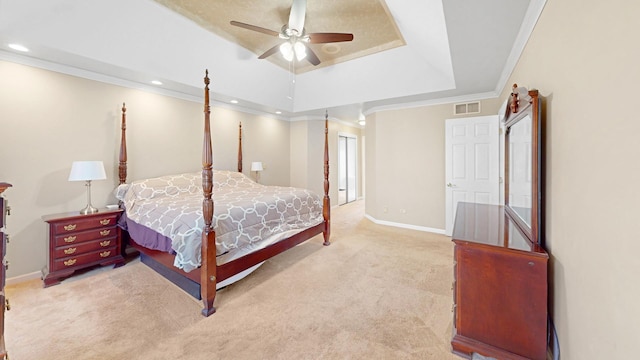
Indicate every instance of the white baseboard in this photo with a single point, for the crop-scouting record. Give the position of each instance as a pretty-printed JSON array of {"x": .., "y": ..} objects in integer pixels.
[
  {"x": 23, "y": 278},
  {"x": 404, "y": 226}
]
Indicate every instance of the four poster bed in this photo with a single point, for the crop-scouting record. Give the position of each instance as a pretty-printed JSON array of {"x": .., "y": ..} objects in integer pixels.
[{"x": 171, "y": 220}]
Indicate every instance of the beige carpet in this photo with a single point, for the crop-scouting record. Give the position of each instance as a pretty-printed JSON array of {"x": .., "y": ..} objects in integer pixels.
[{"x": 376, "y": 293}]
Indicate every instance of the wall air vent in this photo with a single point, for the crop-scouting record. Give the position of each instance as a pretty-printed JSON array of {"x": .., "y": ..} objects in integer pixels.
[{"x": 466, "y": 108}]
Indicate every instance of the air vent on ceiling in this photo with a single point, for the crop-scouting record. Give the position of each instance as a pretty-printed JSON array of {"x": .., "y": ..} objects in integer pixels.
[{"x": 466, "y": 108}]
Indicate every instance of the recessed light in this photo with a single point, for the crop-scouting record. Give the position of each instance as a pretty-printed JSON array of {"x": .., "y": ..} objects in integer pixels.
[
  {"x": 18, "y": 47},
  {"x": 278, "y": 112},
  {"x": 234, "y": 101},
  {"x": 156, "y": 82}
]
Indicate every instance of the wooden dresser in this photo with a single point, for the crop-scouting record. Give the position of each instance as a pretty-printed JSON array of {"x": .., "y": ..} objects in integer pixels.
[
  {"x": 79, "y": 241},
  {"x": 4, "y": 302},
  {"x": 500, "y": 286}
]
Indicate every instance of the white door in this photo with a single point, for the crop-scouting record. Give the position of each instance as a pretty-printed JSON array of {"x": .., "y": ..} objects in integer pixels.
[{"x": 472, "y": 163}]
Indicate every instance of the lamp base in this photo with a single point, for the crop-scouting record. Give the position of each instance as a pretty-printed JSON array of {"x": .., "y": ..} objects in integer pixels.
[{"x": 88, "y": 210}]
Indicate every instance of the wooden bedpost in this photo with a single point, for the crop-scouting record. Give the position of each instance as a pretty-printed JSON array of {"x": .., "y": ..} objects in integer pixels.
[
  {"x": 326, "y": 203},
  {"x": 122, "y": 167},
  {"x": 208, "y": 267},
  {"x": 240, "y": 147}
]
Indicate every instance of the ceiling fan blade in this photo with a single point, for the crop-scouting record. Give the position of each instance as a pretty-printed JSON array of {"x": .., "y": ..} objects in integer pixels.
[
  {"x": 254, "y": 28},
  {"x": 269, "y": 52},
  {"x": 311, "y": 56},
  {"x": 322, "y": 38},
  {"x": 297, "y": 15}
]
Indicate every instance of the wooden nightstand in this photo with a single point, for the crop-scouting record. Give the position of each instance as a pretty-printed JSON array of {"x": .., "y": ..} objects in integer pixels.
[{"x": 80, "y": 241}]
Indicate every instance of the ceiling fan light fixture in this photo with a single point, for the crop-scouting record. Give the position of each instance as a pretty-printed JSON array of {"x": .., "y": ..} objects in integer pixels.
[
  {"x": 300, "y": 50},
  {"x": 286, "y": 49}
]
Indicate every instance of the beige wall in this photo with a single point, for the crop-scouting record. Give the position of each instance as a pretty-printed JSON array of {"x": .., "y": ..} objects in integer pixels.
[
  {"x": 405, "y": 162},
  {"x": 48, "y": 120},
  {"x": 584, "y": 58},
  {"x": 307, "y": 155},
  {"x": 299, "y": 154}
]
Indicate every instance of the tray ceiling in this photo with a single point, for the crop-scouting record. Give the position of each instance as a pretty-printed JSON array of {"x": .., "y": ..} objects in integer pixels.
[
  {"x": 370, "y": 22},
  {"x": 404, "y": 53}
]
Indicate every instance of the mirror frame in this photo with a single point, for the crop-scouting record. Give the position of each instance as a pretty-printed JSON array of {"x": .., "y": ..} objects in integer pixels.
[{"x": 525, "y": 102}]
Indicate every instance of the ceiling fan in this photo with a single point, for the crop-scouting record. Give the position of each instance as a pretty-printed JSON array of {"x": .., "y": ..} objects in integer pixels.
[{"x": 297, "y": 40}]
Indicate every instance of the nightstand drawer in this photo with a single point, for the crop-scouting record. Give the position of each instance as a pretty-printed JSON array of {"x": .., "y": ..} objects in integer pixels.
[
  {"x": 78, "y": 224},
  {"x": 83, "y": 236},
  {"x": 85, "y": 247},
  {"x": 84, "y": 259}
]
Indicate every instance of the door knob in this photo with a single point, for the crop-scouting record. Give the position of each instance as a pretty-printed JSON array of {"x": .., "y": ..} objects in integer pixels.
[{"x": 450, "y": 185}]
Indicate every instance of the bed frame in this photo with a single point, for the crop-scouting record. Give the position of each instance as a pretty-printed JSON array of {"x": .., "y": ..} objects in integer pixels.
[{"x": 202, "y": 284}]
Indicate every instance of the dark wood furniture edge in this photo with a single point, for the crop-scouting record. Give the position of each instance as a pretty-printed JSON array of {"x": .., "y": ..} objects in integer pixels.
[
  {"x": 76, "y": 215},
  {"x": 4, "y": 186},
  {"x": 207, "y": 276},
  {"x": 3, "y": 299},
  {"x": 465, "y": 347}
]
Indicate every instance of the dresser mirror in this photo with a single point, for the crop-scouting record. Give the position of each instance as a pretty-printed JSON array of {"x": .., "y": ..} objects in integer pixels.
[{"x": 523, "y": 162}]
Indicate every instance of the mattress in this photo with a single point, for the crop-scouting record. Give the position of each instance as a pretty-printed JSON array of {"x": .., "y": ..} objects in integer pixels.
[{"x": 247, "y": 216}]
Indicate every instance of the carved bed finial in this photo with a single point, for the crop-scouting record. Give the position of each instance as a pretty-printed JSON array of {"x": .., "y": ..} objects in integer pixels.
[
  {"x": 122, "y": 166},
  {"x": 514, "y": 99},
  {"x": 240, "y": 147},
  {"x": 207, "y": 161},
  {"x": 326, "y": 202},
  {"x": 208, "y": 249}
]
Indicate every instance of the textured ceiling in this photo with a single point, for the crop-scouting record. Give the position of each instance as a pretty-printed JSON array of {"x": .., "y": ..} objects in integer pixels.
[{"x": 370, "y": 22}]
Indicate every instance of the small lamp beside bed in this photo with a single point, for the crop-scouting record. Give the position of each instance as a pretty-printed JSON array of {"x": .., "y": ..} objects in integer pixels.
[
  {"x": 87, "y": 171},
  {"x": 257, "y": 167}
]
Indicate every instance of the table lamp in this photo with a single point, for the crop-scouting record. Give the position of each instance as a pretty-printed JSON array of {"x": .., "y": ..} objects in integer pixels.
[
  {"x": 257, "y": 167},
  {"x": 87, "y": 171}
]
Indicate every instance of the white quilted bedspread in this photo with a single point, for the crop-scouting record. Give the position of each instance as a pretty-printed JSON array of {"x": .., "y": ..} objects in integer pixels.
[{"x": 247, "y": 215}]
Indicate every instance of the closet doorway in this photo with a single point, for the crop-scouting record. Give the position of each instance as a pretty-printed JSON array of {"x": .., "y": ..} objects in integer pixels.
[{"x": 347, "y": 168}]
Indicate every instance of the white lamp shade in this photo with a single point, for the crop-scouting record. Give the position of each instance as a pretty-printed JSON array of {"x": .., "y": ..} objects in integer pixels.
[
  {"x": 300, "y": 50},
  {"x": 87, "y": 170},
  {"x": 286, "y": 49},
  {"x": 256, "y": 166}
]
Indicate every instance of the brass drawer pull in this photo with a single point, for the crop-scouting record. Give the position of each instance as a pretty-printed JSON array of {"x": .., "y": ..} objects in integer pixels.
[
  {"x": 105, "y": 243},
  {"x": 70, "y": 251},
  {"x": 105, "y": 232},
  {"x": 70, "y": 262},
  {"x": 105, "y": 221},
  {"x": 104, "y": 254},
  {"x": 70, "y": 227},
  {"x": 7, "y": 305},
  {"x": 70, "y": 239}
]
